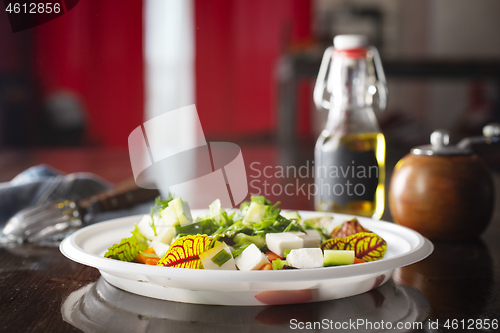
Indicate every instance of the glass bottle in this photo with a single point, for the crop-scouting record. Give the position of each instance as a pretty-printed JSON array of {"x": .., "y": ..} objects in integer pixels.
[{"x": 350, "y": 152}]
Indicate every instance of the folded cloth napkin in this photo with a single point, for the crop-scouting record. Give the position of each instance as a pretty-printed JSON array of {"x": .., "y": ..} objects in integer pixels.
[{"x": 42, "y": 184}]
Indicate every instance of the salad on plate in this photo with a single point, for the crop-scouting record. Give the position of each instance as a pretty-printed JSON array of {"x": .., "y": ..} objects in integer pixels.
[{"x": 257, "y": 236}]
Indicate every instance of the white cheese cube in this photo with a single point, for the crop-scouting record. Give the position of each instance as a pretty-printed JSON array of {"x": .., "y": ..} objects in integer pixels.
[
  {"x": 159, "y": 247},
  {"x": 279, "y": 242},
  {"x": 251, "y": 259},
  {"x": 182, "y": 211},
  {"x": 207, "y": 257},
  {"x": 311, "y": 238},
  {"x": 169, "y": 217},
  {"x": 164, "y": 234},
  {"x": 145, "y": 227},
  {"x": 305, "y": 258}
]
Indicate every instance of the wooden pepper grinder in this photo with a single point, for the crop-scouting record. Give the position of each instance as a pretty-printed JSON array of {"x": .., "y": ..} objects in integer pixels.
[{"x": 444, "y": 192}]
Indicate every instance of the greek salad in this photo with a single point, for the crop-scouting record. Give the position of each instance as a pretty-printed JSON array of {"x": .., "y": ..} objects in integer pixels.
[{"x": 257, "y": 236}]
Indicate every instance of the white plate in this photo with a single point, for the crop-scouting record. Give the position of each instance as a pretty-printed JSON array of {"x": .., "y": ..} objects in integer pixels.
[{"x": 88, "y": 245}]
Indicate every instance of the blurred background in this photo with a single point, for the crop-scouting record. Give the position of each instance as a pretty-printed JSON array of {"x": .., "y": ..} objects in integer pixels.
[{"x": 90, "y": 77}]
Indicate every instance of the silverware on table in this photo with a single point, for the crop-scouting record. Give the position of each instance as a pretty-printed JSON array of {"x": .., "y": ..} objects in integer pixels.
[{"x": 46, "y": 221}]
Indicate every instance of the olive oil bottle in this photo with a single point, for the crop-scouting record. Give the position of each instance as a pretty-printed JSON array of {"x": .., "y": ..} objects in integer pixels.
[
  {"x": 351, "y": 174},
  {"x": 350, "y": 152}
]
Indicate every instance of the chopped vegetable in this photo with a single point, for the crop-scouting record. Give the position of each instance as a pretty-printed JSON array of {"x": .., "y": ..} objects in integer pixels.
[
  {"x": 348, "y": 228},
  {"x": 312, "y": 238},
  {"x": 185, "y": 252},
  {"x": 280, "y": 242},
  {"x": 219, "y": 215},
  {"x": 323, "y": 224},
  {"x": 251, "y": 259},
  {"x": 128, "y": 248},
  {"x": 338, "y": 257},
  {"x": 206, "y": 226},
  {"x": 260, "y": 199},
  {"x": 159, "y": 247},
  {"x": 182, "y": 211},
  {"x": 239, "y": 250},
  {"x": 145, "y": 229},
  {"x": 267, "y": 267},
  {"x": 152, "y": 261},
  {"x": 305, "y": 258},
  {"x": 272, "y": 256},
  {"x": 292, "y": 215},
  {"x": 148, "y": 253},
  {"x": 218, "y": 257},
  {"x": 255, "y": 213},
  {"x": 242, "y": 238},
  {"x": 158, "y": 206},
  {"x": 279, "y": 264},
  {"x": 273, "y": 222},
  {"x": 359, "y": 261},
  {"x": 367, "y": 245},
  {"x": 221, "y": 258}
]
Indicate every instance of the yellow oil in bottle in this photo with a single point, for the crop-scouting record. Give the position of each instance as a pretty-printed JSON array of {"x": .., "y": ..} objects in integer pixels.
[{"x": 350, "y": 174}]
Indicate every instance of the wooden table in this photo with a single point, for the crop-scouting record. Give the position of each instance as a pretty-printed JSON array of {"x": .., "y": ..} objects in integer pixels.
[{"x": 42, "y": 291}]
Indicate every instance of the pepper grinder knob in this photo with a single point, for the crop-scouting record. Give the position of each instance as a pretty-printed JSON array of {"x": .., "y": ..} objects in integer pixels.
[
  {"x": 440, "y": 138},
  {"x": 491, "y": 130}
]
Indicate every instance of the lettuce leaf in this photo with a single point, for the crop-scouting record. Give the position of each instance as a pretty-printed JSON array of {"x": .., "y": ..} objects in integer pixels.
[
  {"x": 348, "y": 228},
  {"x": 366, "y": 245},
  {"x": 128, "y": 248},
  {"x": 206, "y": 226},
  {"x": 159, "y": 205},
  {"x": 241, "y": 239},
  {"x": 273, "y": 222},
  {"x": 240, "y": 249},
  {"x": 185, "y": 252},
  {"x": 321, "y": 224}
]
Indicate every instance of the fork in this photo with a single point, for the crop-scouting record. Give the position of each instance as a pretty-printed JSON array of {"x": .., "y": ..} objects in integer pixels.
[{"x": 34, "y": 224}]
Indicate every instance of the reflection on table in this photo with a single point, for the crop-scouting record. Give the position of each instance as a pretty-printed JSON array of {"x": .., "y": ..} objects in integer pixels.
[
  {"x": 457, "y": 278},
  {"x": 101, "y": 307}
]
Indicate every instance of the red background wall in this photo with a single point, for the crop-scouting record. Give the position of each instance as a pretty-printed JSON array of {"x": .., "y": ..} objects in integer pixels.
[
  {"x": 96, "y": 51},
  {"x": 238, "y": 44}
]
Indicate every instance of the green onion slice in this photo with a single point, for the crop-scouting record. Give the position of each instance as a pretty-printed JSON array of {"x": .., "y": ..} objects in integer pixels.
[{"x": 221, "y": 258}]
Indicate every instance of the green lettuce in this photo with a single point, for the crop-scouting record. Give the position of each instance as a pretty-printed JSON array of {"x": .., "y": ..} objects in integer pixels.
[{"x": 128, "y": 248}]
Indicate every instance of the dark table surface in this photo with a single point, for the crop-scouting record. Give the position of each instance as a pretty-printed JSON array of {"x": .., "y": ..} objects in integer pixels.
[{"x": 43, "y": 291}]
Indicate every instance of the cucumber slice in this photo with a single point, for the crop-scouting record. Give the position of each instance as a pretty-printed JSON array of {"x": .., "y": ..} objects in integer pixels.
[{"x": 338, "y": 257}]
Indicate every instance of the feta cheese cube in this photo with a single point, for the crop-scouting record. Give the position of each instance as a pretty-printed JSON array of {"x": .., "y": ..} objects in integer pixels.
[
  {"x": 251, "y": 259},
  {"x": 169, "y": 216},
  {"x": 207, "y": 256},
  {"x": 159, "y": 247},
  {"x": 182, "y": 211},
  {"x": 305, "y": 258},
  {"x": 145, "y": 227},
  {"x": 311, "y": 238},
  {"x": 164, "y": 234},
  {"x": 279, "y": 242}
]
